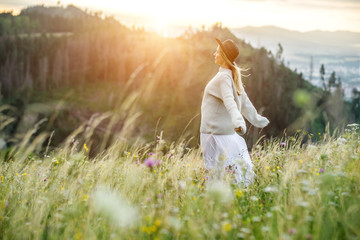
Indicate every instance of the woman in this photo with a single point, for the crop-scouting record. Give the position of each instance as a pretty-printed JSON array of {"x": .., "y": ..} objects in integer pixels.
[{"x": 223, "y": 106}]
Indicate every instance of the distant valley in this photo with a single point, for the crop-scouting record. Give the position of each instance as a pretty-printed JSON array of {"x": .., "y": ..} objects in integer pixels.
[{"x": 339, "y": 51}]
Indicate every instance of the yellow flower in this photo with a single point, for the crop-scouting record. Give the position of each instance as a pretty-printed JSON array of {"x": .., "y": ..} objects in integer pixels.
[
  {"x": 85, "y": 197},
  {"x": 317, "y": 174},
  {"x": 24, "y": 174},
  {"x": 277, "y": 167},
  {"x": 226, "y": 227},
  {"x": 158, "y": 222},
  {"x": 85, "y": 147},
  {"x": 188, "y": 164},
  {"x": 267, "y": 167},
  {"x": 2, "y": 178},
  {"x": 301, "y": 161},
  {"x": 239, "y": 193},
  {"x": 153, "y": 228},
  {"x": 194, "y": 198}
]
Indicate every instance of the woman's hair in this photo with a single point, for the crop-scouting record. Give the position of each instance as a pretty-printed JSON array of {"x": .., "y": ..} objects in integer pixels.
[{"x": 236, "y": 72}]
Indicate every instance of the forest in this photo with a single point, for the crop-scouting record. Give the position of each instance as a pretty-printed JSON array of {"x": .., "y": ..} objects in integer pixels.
[{"x": 67, "y": 66}]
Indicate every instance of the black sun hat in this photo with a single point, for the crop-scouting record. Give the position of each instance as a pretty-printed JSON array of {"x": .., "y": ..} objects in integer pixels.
[{"x": 229, "y": 48}]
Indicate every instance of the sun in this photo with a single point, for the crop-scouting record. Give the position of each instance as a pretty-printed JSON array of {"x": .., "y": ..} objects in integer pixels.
[{"x": 161, "y": 26}]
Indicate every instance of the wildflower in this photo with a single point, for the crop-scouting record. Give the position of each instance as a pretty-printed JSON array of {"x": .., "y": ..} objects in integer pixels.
[
  {"x": 301, "y": 161},
  {"x": 159, "y": 195},
  {"x": 321, "y": 170},
  {"x": 194, "y": 198},
  {"x": 85, "y": 147},
  {"x": 239, "y": 193},
  {"x": 308, "y": 236},
  {"x": 158, "y": 163},
  {"x": 24, "y": 174},
  {"x": 45, "y": 179},
  {"x": 137, "y": 161},
  {"x": 157, "y": 222},
  {"x": 2, "y": 178},
  {"x": 220, "y": 191},
  {"x": 115, "y": 207},
  {"x": 271, "y": 189},
  {"x": 150, "y": 153},
  {"x": 170, "y": 156},
  {"x": 267, "y": 167},
  {"x": 292, "y": 231},
  {"x": 226, "y": 227},
  {"x": 148, "y": 199},
  {"x": 283, "y": 144},
  {"x": 182, "y": 185},
  {"x": 149, "y": 162}
]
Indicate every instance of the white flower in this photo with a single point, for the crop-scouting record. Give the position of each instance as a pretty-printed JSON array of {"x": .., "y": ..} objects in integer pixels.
[
  {"x": 182, "y": 185},
  {"x": 220, "y": 191},
  {"x": 253, "y": 198},
  {"x": 271, "y": 189},
  {"x": 341, "y": 140},
  {"x": 115, "y": 207}
]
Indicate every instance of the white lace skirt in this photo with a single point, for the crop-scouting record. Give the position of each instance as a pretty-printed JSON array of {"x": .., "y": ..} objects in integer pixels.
[{"x": 224, "y": 154}]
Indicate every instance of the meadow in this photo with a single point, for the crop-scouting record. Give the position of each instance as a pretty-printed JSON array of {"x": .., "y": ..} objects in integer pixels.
[{"x": 159, "y": 190}]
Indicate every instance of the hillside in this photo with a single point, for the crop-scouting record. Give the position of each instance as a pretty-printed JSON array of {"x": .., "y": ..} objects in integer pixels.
[{"x": 130, "y": 75}]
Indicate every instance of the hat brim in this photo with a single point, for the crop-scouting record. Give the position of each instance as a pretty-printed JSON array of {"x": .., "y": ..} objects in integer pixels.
[{"x": 222, "y": 47}]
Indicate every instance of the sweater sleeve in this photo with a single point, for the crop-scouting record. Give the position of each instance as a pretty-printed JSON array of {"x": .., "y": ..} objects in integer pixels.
[
  {"x": 227, "y": 97},
  {"x": 250, "y": 113}
]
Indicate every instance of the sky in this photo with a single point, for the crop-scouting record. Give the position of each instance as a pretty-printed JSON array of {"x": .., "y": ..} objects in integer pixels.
[{"x": 298, "y": 15}]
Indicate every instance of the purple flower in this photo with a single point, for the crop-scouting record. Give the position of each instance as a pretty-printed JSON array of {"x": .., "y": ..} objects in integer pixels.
[
  {"x": 308, "y": 236},
  {"x": 149, "y": 162},
  {"x": 321, "y": 170},
  {"x": 171, "y": 155},
  {"x": 292, "y": 231},
  {"x": 257, "y": 154},
  {"x": 148, "y": 199},
  {"x": 158, "y": 163},
  {"x": 150, "y": 153},
  {"x": 45, "y": 179},
  {"x": 159, "y": 195},
  {"x": 283, "y": 143},
  {"x": 137, "y": 162}
]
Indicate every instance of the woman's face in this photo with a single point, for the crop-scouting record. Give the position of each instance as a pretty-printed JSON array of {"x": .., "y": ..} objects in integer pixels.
[{"x": 218, "y": 59}]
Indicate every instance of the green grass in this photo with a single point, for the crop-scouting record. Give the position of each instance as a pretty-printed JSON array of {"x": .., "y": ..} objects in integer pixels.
[{"x": 301, "y": 192}]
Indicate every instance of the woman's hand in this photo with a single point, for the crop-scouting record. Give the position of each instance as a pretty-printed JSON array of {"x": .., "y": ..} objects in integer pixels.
[{"x": 239, "y": 129}]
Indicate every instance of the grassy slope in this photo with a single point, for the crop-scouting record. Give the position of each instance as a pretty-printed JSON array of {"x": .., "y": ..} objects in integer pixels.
[{"x": 307, "y": 192}]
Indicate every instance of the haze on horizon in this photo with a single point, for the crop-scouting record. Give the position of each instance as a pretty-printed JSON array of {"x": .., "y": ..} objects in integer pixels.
[{"x": 298, "y": 15}]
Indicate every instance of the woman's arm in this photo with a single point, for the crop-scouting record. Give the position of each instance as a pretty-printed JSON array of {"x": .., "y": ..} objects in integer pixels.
[
  {"x": 250, "y": 113},
  {"x": 228, "y": 99}
]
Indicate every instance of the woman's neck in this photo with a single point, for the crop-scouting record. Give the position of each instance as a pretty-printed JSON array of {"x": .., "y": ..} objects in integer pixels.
[{"x": 225, "y": 65}]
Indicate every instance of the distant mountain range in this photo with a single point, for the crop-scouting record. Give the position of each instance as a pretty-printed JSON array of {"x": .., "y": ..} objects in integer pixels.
[
  {"x": 339, "y": 51},
  {"x": 68, "y": 12},
  {"x": 316, "y": 42}
]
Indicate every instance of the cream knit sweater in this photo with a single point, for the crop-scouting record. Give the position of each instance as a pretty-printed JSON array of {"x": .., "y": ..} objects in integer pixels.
[{"x": 222, "y": 109}]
